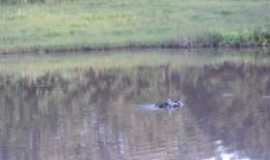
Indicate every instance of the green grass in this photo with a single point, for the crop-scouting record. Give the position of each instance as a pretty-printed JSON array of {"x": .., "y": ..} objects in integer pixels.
[
  {"x": 34, "y": 66},
  {"x": 126, "y": 23}
]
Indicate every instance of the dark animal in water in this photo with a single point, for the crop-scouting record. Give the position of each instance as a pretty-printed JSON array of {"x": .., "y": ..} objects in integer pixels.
[{"x": 170, "y": 104}]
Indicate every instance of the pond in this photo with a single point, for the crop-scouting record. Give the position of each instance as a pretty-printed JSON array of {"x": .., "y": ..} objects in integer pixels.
[{"x": 97, "y": 114}]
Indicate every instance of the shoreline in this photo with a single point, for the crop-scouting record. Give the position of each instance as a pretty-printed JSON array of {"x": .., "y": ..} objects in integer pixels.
[{"x": 63, "y": 50}]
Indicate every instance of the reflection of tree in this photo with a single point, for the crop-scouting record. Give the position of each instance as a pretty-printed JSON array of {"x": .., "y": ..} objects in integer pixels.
[{"x": 92, "y": 115}]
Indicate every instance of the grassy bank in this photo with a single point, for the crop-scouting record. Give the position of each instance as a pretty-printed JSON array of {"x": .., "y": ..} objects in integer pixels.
[{"x": 104, "y": 24}]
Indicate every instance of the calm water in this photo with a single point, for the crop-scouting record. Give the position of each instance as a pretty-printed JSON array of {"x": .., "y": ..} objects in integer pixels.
[{"x": 98, "y": 114}]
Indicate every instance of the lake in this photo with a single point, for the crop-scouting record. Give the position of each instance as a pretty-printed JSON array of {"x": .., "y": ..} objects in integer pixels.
[{"x": 97, "y": 113}]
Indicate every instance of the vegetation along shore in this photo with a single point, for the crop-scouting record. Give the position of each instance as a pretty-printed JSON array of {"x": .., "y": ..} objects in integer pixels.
[{"x": 51, "y": 25}]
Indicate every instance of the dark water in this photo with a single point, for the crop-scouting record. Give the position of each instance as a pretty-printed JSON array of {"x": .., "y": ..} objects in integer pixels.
[{"x": 96, "y": 116}]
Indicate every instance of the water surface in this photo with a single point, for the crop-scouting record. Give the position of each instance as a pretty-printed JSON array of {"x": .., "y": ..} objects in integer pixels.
[{"x": 97, "y": 116}]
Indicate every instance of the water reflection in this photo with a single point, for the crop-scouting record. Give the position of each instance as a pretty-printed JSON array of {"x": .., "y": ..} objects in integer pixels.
[{"x": 96, "y": 116}]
